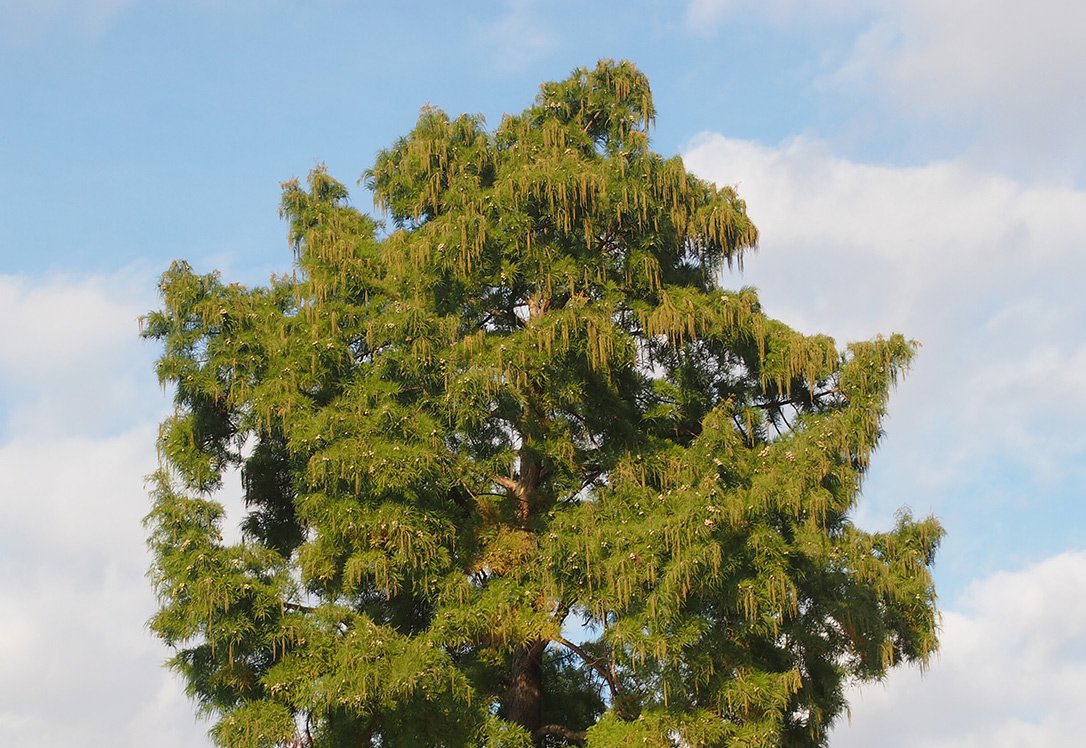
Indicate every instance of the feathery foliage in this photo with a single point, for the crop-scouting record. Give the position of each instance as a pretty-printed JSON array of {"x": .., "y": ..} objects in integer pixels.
[{"x": 527, "y": 409}]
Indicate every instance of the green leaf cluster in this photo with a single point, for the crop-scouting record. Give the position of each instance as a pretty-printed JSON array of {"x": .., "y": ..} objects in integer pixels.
[{"x": 526, "y": 406}]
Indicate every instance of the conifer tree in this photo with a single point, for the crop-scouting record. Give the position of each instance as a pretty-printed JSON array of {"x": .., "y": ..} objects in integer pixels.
[{"x": 517, "y": 469}]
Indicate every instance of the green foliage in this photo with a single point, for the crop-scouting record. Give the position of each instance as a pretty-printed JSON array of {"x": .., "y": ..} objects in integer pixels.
[{"x": 528, "y": 404}]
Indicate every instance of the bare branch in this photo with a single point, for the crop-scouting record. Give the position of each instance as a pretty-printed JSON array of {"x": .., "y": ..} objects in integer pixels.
[{"x": 778, "y": 404}]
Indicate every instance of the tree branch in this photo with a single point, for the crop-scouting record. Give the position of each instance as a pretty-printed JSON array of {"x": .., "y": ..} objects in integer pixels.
[
  {"x": 742, "y": 432},
  {"x": 778, "y": 404},
  {"x": 507, "y": 316},
  {"x": 520, "y": 491},
  {"x": 577, "y": 737},
  {"x": 593, "y": 663},
  {"x": 506, "y": 482}
]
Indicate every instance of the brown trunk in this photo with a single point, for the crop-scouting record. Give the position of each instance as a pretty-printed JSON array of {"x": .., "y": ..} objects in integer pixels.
[
  {"x": 524, "y": 698},
  {"x": 529, "y": 482}
]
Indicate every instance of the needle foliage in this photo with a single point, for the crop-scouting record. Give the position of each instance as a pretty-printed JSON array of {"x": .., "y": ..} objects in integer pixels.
[{"x": 518, "y": 470}]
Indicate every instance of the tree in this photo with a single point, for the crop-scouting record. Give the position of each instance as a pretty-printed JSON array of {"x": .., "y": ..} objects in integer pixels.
[{"x": 518, "y": 470}]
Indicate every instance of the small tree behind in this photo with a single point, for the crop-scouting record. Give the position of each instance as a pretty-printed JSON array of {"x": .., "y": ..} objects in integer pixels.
[{"x": 527, "y": 409}]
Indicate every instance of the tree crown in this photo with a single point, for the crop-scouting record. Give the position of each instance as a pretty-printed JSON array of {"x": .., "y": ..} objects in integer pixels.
[{"x": 528, "y": 409}]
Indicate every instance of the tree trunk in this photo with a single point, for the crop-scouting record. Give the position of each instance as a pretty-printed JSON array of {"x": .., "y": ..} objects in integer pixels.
[
  {"x": 530, "y": 472},
  {"x": 524, "y": 698}
]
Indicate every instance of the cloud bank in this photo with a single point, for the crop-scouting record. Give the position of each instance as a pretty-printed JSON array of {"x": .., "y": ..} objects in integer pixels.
[
  {"x": 1011, "y": 672},
  {"x": 78, "y": 412},
  {"x": 1000, "y": 76}
]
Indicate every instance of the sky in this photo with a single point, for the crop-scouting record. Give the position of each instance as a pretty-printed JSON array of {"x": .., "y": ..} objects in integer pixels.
[{"x": 915, "y": 166}]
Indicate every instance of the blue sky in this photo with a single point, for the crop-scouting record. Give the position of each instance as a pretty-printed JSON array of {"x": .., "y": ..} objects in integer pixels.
[{"x": 915, "y": 166}]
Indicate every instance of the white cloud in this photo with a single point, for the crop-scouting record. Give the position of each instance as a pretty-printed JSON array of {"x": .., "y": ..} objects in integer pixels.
[
  {"x": 702, "y": 13},
  {"x": 58, "y": 324},
  {"x": 982, "y": 50},
  {"x": 1011, "y": 670},
  {"x": 81, "y": 499}
]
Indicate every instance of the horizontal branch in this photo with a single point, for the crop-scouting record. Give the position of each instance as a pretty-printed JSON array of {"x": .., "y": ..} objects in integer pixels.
[
  {"x": 796, "y": 400},
  {"x": 507, "y": 315},
  {"x": 577, "y": 737}
]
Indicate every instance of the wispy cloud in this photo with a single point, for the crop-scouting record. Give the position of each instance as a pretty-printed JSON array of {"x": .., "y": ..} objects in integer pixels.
[
  {"x": 703, "y": 16},
  {"x": 520, "y": 36},
  {"x": 26, "y": 19}
]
